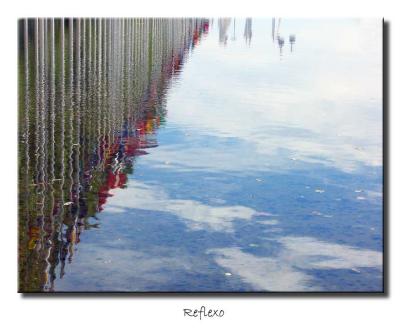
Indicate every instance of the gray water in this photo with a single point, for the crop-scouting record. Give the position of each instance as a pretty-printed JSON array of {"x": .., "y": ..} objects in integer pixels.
[{"x": 200, "y": 155}]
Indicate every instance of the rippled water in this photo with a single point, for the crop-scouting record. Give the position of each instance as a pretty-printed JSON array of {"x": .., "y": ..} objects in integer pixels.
[{"x": 200, "y": 155}]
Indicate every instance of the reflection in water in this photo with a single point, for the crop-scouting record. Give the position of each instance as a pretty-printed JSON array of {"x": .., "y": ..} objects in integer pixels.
[
  {"x": 92, "y": 95},
  {"x": 197, "y": 215},
  {"x": 279, "y": 38},
  {"x": 247, "y": 31},
  {"x": 223, "y": 25},
  {"x": 265, "y": 176},
  {"x": 234, "y": 30},
  {"x": 286, "y": 271},
  {"x": 292, "y": 40}
]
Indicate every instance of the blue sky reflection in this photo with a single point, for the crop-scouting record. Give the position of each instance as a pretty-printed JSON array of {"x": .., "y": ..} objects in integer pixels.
[{"x": 268, "y": 167}]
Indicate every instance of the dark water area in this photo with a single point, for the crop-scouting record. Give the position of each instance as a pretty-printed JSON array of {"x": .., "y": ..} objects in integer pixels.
[{"x": 187, "y": 155}]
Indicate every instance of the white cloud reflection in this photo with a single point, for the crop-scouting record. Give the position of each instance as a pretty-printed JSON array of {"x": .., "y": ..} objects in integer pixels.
[
  {"x": 116, "y": 268},
  {"x": 287, "y": 270},
  {"x": 330, "y": 88},
  {"x": 322, "y": 104},
  {"x": 196, "y": 214}
]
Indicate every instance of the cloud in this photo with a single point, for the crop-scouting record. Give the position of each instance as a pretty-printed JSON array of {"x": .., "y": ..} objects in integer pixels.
[
  {"x": 197, "y": 215},
  {"x": 287, "y": 271},
  {"x": 323, "y": 104},
  {"x": 263, "y": 273}
]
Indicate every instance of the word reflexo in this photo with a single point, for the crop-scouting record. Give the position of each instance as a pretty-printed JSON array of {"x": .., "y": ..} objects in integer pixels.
[{"x": 203, "y": 312}]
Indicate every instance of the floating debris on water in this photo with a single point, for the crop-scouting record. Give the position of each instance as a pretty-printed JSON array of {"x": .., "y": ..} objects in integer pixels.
[
  {"x": 320, "y": 191},
  {"x": 266, "y": 214},
  {"x": 358, "y": 190},
  {"x": 253, "y": 245},
  {"x": 360, "y": 198},
  {"x": 316, "y": 213},
  {"x": 271, "y": 222},
  {"x": 228, "y": 274},
  {"x": 259, "y": 180},
  {"x": 356, "y": 270}
]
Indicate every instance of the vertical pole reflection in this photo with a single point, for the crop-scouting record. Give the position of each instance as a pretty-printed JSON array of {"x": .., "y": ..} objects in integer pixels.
[
  {"x": 24, "y": 166},
  {"x": 59, "y": 239},
  {"x": 93, "y": 95},
  {"x": 99, "y": 93},
  {"x": 25, "y": 130},
  {"x": 37, "y": 100},
  {"x": 69, "y": 218},
  {"x": 77, "y": 118},
  {"x": 49, "y": 225},
  {"x": 104, "y": 80}
]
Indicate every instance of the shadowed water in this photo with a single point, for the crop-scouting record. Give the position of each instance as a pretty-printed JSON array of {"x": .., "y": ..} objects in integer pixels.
[{"x": 200, "y": 155}]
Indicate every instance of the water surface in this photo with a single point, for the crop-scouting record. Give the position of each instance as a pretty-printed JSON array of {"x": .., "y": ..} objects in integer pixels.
[{"x": 200, "y": 155}]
